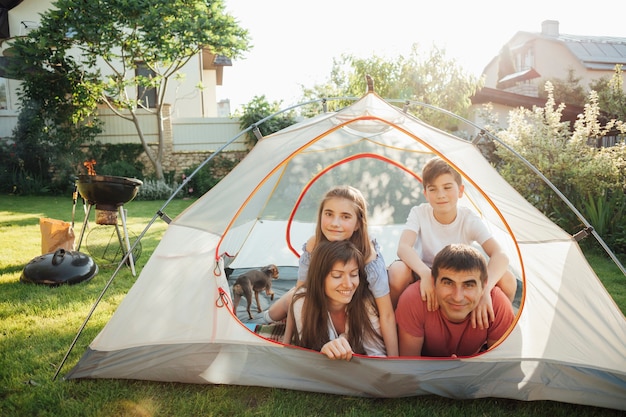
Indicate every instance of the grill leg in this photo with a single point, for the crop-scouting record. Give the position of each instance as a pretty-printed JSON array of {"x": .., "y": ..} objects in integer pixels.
[{"x": 127, "y": 241}]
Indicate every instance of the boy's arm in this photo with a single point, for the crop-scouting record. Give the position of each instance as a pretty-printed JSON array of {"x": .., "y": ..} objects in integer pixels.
[
  {"x": 498, "y": 263},
  {"x": 409, "y": 256}
]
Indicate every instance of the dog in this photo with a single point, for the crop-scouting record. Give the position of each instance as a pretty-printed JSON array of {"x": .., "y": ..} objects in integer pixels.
[{"x": 257, "y": 281}]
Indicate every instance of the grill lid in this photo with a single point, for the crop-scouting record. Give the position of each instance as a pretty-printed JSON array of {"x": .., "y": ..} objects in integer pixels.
[{"x": 60, "y": 267}]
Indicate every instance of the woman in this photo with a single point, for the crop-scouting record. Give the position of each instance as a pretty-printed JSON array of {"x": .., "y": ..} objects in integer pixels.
[{"x": 334, "y": 312}]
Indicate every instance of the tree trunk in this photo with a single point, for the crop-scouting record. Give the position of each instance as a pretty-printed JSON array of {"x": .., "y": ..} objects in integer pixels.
[{"x": 154, "y": 160}]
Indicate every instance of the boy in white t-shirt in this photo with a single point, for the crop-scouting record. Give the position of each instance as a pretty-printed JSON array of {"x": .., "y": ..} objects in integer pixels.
[{"x": 439, "y": 222}]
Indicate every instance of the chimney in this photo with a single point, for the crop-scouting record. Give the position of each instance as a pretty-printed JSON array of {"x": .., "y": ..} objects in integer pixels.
[{"x": 550, "y": 28}]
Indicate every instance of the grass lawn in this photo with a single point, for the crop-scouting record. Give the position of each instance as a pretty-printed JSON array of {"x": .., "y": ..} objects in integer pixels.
[{"x": 38, "y": 324}]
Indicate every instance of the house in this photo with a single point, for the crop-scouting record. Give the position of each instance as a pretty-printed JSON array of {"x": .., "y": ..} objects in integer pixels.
[
  {"x": 197, "y": 122},
  {"x": 516, "y": 76}
]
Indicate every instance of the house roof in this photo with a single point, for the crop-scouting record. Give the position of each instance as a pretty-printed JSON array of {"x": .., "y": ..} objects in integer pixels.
[
  {"x": 520, "y": 76},
  {"x": 594, "y": 52},
  {"x": 597, "y": 52}
]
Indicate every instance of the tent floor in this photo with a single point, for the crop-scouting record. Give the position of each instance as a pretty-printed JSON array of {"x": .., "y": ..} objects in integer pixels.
[{"x": 286, "y": 281}]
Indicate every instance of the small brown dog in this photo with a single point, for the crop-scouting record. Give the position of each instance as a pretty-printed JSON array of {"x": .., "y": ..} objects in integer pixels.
[{"x": 257, "y": 281}]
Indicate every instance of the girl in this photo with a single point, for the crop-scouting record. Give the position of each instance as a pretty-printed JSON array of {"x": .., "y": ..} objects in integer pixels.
[
  {"x": 342, "y": 215},
  {"x": 334, "y": 312}
]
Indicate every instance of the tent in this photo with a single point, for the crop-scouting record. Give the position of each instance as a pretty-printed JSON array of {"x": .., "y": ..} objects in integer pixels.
[{"x": 568, "y": 342}]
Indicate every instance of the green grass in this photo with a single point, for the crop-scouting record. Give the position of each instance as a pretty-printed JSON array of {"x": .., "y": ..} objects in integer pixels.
[{"x": 38, "y": 324}]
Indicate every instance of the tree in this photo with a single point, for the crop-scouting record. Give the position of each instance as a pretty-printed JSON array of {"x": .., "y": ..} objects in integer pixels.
[
  {"x": 611, "y": 96},
  {"x": 506, "y": 65},
  {"x": 567, "y": 90},
  {"x": 258, "y": 109},
  {"x": 160, "y": 37},
  {"x": 57, "y": 109},
  {"x": 430, "y": 78}
]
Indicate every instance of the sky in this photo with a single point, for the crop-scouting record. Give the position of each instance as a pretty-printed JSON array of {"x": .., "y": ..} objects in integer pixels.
[{"x": 294, "y": 42}]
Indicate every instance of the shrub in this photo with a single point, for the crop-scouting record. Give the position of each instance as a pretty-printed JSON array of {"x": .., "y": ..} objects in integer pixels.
[
  {"x": 119, "y": 159},
  {"x": 157, "y": 190},
  {"x": 122, "y": 169},
  {"x": 209, "y": 175},
  {"x": 591, "y": 179}
]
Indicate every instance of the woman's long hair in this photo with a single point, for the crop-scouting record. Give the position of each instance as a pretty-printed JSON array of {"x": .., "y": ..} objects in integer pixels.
[
  {"x": 315, "y": 320},
  {"x": 360, "y": 237}
]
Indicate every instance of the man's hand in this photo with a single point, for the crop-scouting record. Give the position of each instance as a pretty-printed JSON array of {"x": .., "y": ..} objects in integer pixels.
[
  {"x": 338, "y": 349},
  {"x": 483, "y": 314}
]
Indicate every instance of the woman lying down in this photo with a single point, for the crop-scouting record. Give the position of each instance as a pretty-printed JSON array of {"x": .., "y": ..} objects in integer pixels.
[{"x": 334, "y": 311}]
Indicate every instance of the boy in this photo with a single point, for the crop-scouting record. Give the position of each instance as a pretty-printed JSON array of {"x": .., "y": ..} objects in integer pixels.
[
  {"x": 437, "y": 223},
  {"x": 460, "y": 274}
]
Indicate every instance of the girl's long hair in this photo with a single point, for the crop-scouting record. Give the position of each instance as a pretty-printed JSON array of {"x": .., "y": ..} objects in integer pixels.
[
  {"x": 360, "y": 237},
  {"x": 315, "y": 319}
]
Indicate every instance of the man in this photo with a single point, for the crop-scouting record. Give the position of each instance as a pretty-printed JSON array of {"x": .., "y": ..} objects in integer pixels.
[{"x": 460, "y": 275}]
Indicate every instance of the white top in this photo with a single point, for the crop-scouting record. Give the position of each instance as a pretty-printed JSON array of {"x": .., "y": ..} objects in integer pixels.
[
  {"x": 374, "y": 347},
  {"x": 433, "y": 236}
]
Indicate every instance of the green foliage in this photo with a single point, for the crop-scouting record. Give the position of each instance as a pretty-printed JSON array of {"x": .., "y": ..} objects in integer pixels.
[
  {"x": 121, "y": 169},
  {"x": 506, "y": 64},
  {"x": 23, "y": 159},
  {"x": 157, "y": 190},
  {"x": 57, "y": 103},
  {"x": 567, "y": 90},
  {"x": 606, "y": 215},
  {"x": 611, "y": 96},
  {"x": 25, "y": 183},
  {"x": 50, "y": 129},
  {"x": 431, "y": 78},
  {"x": 119, "y": 159},
  {"x": 258, "y": 109},
  {"x": 591, "y": 179},
  {"x": 209, "y": 175}
]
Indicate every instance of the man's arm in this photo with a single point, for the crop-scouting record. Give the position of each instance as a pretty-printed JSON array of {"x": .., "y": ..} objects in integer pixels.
[
  {"x": 504, "y": 317},
  {"x": 408, "y": 344}
]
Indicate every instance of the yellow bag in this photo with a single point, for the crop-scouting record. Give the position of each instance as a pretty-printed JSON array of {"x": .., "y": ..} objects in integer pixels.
[{"x": 55, "y": 234}]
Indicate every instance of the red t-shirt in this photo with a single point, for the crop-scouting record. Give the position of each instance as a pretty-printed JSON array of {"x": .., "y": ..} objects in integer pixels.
[{"x": 443, "y": 337}]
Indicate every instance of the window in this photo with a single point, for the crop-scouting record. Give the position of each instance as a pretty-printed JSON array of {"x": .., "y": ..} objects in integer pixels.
[
  {"x": 529, "y": 59},
  {"x": 524, "y": 59},
  {"x": 147, "y": 95},
  {"x": 4, "y": 94}
]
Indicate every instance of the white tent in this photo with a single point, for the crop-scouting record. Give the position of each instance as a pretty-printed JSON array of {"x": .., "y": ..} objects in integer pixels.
[{"x": 568, "y": 342}]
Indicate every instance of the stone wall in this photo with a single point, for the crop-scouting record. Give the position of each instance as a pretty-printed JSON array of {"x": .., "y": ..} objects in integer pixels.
[{"x": 178, "y": 162}]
